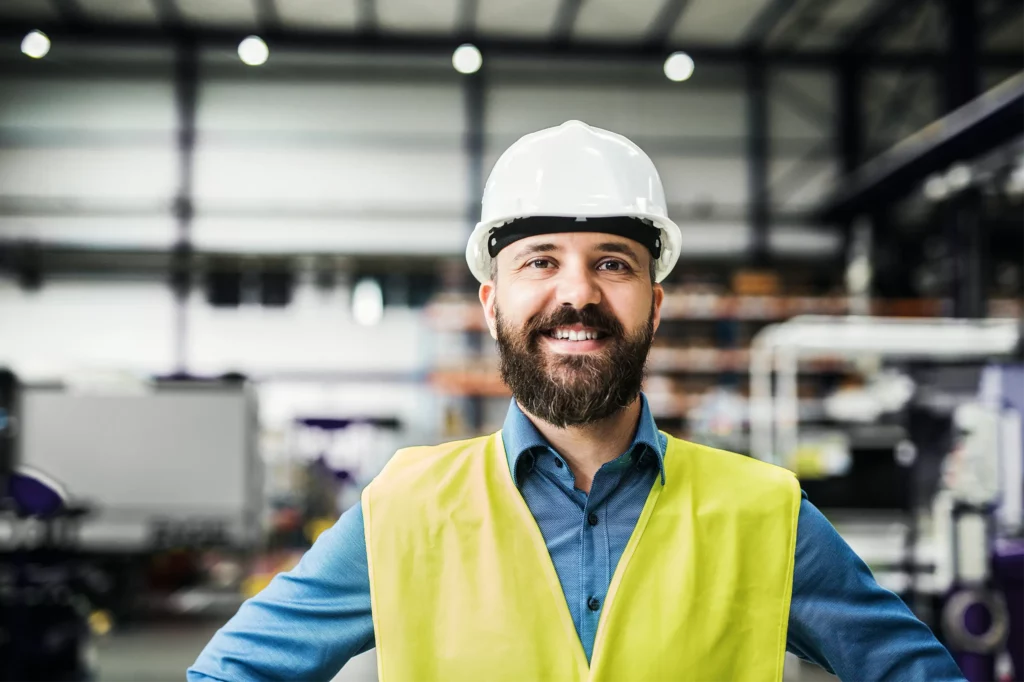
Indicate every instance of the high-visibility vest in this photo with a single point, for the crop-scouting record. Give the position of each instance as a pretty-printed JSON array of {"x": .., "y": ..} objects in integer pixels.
[{"x": 463, "y": 588}]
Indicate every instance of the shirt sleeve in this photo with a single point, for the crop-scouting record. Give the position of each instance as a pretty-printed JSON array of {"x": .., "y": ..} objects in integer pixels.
[
  {"x": 844, "y": 621},
  {"x": 307, "y": 623}
]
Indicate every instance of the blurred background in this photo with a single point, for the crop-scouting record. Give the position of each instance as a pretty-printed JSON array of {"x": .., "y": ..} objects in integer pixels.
[{"x": 232, "y": 282}]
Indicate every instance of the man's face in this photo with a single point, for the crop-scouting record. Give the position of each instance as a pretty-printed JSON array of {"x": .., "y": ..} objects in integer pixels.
[{"x": 574, "y": 315}]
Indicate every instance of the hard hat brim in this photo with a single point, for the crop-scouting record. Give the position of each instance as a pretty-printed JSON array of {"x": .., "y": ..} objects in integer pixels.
[{"x": 479, "y": 260}]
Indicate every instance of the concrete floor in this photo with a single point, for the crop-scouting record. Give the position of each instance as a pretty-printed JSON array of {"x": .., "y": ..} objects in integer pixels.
[{"x": 161, "y": 653}]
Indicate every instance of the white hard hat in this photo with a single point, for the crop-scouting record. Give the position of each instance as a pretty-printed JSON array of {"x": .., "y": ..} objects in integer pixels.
[{"x": 575, "y": 171}]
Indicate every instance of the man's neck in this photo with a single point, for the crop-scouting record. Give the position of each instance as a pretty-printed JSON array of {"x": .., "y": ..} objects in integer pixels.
[{"x": 586, "y": 448}]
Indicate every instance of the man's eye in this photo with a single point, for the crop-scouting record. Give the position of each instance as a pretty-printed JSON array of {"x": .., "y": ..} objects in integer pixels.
[
  {"x": 539, "y": 263},
  {"x": 613, "y": 266}
]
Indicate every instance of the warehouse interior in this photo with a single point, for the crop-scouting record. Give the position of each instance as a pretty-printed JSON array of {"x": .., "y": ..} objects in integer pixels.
[{"x": 233, "y": 282}]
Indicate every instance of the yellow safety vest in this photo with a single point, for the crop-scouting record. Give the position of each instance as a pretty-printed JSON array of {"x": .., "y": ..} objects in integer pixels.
[{"x": 463, "y": 588}]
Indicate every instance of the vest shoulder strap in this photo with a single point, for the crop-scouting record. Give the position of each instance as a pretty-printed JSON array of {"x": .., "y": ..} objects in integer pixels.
[{"x": 757, "y": 484}]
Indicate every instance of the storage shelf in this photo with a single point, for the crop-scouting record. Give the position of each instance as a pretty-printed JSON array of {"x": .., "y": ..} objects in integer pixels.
[
  {"x": 464, "y": 314},
  {"x": 663, "y": 361}
]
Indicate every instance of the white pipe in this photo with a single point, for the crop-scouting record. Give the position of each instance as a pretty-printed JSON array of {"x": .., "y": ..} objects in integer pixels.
[
  {"x": 814, "y": 335},
  {"x": 761, "y": 403},
  {"x": 787, "y": 407}
]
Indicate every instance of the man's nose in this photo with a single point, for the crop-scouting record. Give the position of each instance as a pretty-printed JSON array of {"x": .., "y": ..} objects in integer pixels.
[{"x": 577, "y": 286}]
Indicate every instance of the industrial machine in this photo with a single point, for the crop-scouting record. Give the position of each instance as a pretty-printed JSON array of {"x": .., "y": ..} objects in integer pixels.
[
  {"x": 953, "y": 392},
  {"x": 45, "y": 586},
  {"x": 162, "y": 475},
  {"x": 165, "y": 463}
]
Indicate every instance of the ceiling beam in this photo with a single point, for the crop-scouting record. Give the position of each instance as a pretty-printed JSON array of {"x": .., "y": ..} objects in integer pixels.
[
  {"x": 881, "y": 18},
  {"x": 802, "y": 104},
  {"x": 1004, "y": 12},
  {"x": 565, "y": 20},
  {"x": 975, "y": 128},
  {"x": 366, "y": 16},
  {"x": 403, "y": 43},
  {"x": 766, "y": 21},
  {"x": 267, "y": 16},
  {"x": 168, "y": 13},
  {"x": 807, "y": 20},
  {"x": 69, "y": 11},
  {"x": 807, "y": 167},
  {"x": 465, "y": 23},
  {"x": 664, "y": 24}
]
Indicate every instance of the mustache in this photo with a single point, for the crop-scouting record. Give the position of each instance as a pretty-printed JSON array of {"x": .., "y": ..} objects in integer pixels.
[{"x": 589, "y": 315}]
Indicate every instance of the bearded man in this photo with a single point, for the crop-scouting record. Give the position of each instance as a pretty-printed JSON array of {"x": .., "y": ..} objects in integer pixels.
[{"x": 579, "y": 542}]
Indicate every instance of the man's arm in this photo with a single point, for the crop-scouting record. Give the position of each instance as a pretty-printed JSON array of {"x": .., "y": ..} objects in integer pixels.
[
  {"x": 307, "y": 623},
  {"x": 841, "y": 619}
]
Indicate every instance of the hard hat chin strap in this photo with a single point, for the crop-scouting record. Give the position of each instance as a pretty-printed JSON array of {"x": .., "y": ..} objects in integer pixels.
[{"x": 637, "y": 229}]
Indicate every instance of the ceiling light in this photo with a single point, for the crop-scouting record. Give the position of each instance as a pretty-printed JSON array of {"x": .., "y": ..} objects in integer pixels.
[
  {"x": 958, "y": 178},
  {"x": 678, "y": 67},
  {"x": 936, "y": 188},
  {"x": 367, "y": 302},
  {"x": 467, "y": 59},
  {"x": 36, "y": 44},
  {"x": 253, "y": 51}
]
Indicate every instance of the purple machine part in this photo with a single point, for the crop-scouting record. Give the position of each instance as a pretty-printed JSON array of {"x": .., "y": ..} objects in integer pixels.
[{"x": 1008, "y": 572}]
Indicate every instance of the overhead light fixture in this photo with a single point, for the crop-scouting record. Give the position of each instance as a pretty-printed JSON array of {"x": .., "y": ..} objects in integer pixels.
[
  {"x": 936, "y": 188},
  {"x": 678, "y": 67},
  {"x": 367, "y": 302},
  {"x": 467, "y": 59},
  {"x": 958, "y": 177},
  {"x": 253, "y": 51},
  {"x": 36, "y": 45}
]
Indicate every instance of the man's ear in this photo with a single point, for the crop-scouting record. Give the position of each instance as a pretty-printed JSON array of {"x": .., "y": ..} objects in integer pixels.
[
  {"x": 489, "y": 299},
  {"x": 659, "y": 298}
]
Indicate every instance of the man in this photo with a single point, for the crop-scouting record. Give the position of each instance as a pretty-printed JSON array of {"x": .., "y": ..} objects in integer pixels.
[{"x": 579, "y": 542}]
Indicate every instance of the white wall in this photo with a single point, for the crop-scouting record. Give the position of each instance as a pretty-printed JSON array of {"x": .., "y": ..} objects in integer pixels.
[
  {"x": 287, "y": 162},
  {"x": 75, "y": 325},
  {"x": 337, "y": 155},
  {"x": 70, "y": 326},
  {"x": 88, "y": 156},
  {"x": 332, "y": 155},
  {"x": 801, "y": 119},
  {"x": 695, "y": 135}
]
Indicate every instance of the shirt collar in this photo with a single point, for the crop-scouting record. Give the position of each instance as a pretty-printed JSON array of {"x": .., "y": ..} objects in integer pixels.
[{"x": 520, "y": 436}]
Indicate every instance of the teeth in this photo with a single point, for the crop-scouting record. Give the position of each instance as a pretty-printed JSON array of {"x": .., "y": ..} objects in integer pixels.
[{"x": 573, "y": 335}]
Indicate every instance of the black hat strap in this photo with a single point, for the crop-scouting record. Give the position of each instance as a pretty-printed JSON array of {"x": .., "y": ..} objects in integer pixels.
[{"x": 637, "y": 229}]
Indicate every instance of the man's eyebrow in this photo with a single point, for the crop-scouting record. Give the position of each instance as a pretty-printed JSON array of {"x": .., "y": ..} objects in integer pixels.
[
  {"x": 618, "y": 247},
  {"x": 535, "y": 248}
]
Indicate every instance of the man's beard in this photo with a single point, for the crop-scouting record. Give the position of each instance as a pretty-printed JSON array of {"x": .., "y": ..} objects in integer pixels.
[{"x": 572, "y": 390}]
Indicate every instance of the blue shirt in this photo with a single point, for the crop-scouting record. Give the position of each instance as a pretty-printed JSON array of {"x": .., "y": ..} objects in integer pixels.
[{"x": 308, "y": 622}]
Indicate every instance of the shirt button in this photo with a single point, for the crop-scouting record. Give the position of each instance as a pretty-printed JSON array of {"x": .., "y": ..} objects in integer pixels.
[
  {"x": 558, "y": 463},
  {"x": 594, "y": 604},
  {"x": 592, "y": 519}
]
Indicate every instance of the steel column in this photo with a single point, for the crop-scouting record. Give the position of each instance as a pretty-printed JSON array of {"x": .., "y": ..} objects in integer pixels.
[
  {"x": 968, "y": 248},
  {"x": 186, "y": 86},
  {"x": 962, "y": 66},
  {"x": 474, "y": 92},
  {"x": 757, "y": 159},
  {"x": 850, "y": 119},
  {"x": 964, "y": 227}
]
